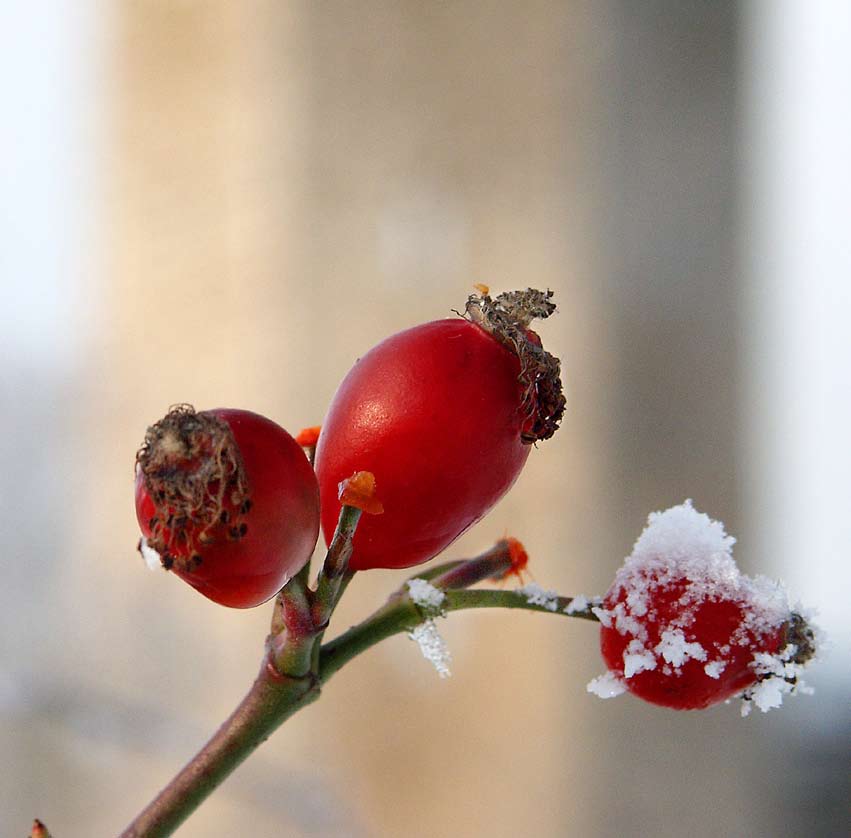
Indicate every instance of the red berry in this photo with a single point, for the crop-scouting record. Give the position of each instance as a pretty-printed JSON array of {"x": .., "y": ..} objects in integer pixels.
[
  {"x": 444, "y": 415},
  {"x": 684, "y": 629},
  {"x": 229, "y": 501}
]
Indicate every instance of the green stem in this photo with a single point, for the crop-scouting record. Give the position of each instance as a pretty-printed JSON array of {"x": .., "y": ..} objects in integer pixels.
[
  {"x": 400, "y": 614},
  {"x": 274, "y": 698},
  {"x": 270, "y": 701},
  {"x": 481, "y": 598},
  {"x": 438, "y": 570},
  {"x": 301, "y": 616},
  {"x": 332, "y": 578},
  {"x": 493, "y": 564}
]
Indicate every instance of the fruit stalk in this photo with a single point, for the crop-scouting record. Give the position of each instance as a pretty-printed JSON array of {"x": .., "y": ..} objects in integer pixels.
[
  {"x": 274, "y": 697},
  {"x": 400, "y": 615},
  {"x": 271, "y": 700},
  {"x": 335, "y": 574}
]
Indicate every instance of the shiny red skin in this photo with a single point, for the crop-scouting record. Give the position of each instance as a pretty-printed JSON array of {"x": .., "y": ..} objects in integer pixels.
[
  {"x": 283, "y": 522},
  {"x": 434, "y": 413},
  {"x": 715, "y": 623}
]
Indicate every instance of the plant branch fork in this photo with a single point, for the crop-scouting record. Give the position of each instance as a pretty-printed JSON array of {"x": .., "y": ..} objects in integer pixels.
[{"x": 297, "y": 664}]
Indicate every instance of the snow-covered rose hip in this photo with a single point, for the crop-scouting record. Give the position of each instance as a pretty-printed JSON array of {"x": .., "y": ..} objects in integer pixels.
[
  {"x": 683, "y": 628},
  {"x": 444, "y": 415},
  {"x": 228, "y": 500}
]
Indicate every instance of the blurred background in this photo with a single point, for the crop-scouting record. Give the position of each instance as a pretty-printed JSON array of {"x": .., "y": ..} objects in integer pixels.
[{"x": 227, "y": 203}]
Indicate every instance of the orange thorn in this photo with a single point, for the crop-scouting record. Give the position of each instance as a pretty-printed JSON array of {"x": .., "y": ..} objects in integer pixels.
[
  {"x": 359, "y": 491},
  {"x": 308, "y": 437},
  {"x": 519, "y": 559}
]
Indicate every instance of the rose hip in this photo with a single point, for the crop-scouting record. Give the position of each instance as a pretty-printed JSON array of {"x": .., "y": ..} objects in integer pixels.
[
  {"x": 444, "y": 415},
  {"x": 683, "y": 628},
  {"x": 228, "y": 500}
]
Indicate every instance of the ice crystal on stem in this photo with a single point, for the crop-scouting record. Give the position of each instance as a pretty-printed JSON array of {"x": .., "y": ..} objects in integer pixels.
[
  {"x": 425, "y": 595},
  {"x": 579, "y": 603},
  {"x": 433, "y": 646},
  {"x": 536, "y": 595}
]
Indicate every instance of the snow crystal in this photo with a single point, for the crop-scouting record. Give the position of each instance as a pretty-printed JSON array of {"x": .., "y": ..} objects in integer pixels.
[
  {"x": 151, "y": 556},
  {"x": 715, "y": 668},
  {"x": 682, "y": 543},
  {"x": 675, "y": 650},
  {"x": 578, "y": 603},
  {"x": 680, "y": 566},
  {"x": 637, "y": 658},
  {"x": 536, "y": 595},
  {"x": 779, "y": 675},
  {"x": 433, "y": 646},
  {"x": 682, "y": 546},
  {"x": 768, "y": 694},
  {"x": 603, "y": 615},
  {"x": 636, "y": 599},
  {"x": 606, "y": 686},
  {"x": 623, "y": 621},
  {"x": 425, "y": 595},
  {"x": 682, "y": 534}
]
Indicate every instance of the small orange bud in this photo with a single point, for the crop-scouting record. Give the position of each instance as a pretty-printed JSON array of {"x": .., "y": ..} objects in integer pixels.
[
  {"x": 308, "y": 437},
  {"x": 519, "y": 559},
  {"x": 483, "y": 289},
  {"x": 39, "y": 830},
  {"x": 359, "y": 491}
]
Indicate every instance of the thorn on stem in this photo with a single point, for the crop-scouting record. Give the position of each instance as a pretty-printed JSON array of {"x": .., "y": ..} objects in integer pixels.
[
  {"x": 39, "y": 830},
  {"x": 359, "y": 491}
]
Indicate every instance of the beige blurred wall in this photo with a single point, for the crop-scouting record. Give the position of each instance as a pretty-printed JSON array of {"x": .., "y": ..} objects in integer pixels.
[
  {"x": 283, "y": 184},
  {"x": 288, "y": 184}
]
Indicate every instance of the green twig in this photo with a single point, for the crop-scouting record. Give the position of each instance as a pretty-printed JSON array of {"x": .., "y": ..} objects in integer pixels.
[
  {"x": 293, "y": 633},
  {"x": 429, "y": 573},
  {"x": 301, "y": 615},
  {"x": 275, "y": 697},
  {"x": 493, "y": 564},
  {"x": 332, "y": 578},
  {"x": 270, "y": 701},
  {"x": 400, "y": 615}
]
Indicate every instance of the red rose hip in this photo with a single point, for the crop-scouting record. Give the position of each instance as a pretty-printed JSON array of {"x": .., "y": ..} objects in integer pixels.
[
  {"x": 683, "y": 628},
  {"x": 444, "y": 415},
  {"x": 228, "y": 500}
]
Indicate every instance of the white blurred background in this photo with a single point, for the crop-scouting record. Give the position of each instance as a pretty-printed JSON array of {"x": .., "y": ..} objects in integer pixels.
[{"x": 226, "y": 203}]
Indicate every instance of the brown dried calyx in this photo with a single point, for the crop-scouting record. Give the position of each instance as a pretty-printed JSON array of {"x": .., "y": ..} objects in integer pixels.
[
  {"x": 507, "y": 318},
  {"x": 800, "y": 634},
  {"x": 193, "y": 472}
]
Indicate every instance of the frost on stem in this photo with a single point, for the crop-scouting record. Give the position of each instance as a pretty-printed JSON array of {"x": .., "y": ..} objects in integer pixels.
[
  {"x": 580, "y": 603},
  {"x": 433, "y": 646},
  {"x": 193, "y": 472},
  {"x": 682, "y": 627},
  {"x": 425, "y": 595},
  {"x": 507, "y": 317},
  {"x": 536, "y": 595},
  {"x": 429, "y": 600}
]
